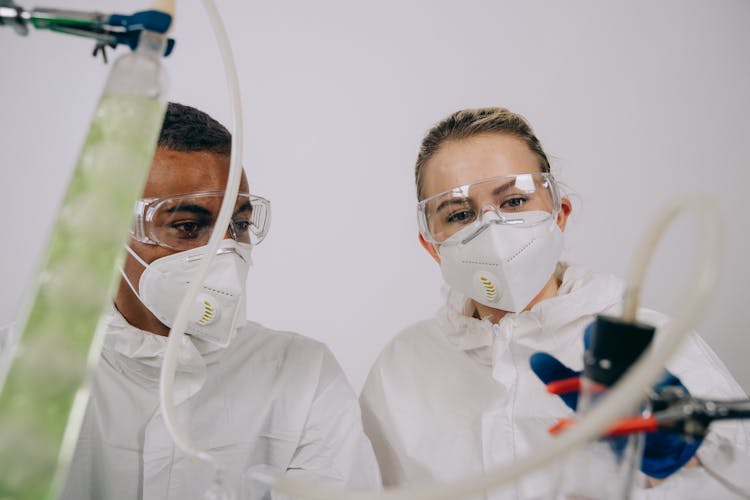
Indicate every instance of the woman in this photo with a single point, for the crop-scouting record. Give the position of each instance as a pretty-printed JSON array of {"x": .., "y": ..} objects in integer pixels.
[{"x": 454, "y": 395}]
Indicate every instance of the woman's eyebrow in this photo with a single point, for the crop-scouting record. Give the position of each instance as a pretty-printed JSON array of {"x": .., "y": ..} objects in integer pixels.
[
  {"x": 460, "y": 201},
  {"x": 505, "y": 187},
  {"x": 451, "y": 201}
]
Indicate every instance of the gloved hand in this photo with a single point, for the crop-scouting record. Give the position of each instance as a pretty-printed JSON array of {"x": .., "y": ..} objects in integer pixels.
[{"x": 664, "y": 453}]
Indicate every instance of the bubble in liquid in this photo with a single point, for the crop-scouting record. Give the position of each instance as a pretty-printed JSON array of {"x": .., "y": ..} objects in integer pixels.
[
  {"x": 70, "y": 285},
  {"x": 107, "y": 164}
]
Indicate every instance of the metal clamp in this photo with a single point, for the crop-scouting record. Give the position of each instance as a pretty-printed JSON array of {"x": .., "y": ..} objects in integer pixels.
[{"x": 108, "y": 30}]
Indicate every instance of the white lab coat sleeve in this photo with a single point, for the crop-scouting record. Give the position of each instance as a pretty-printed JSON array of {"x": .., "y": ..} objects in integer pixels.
[
  {"x": 378, "y": 426},
  {"x": 333, "y": 447},
  {"x": 724, "y": 453},
  {"x": 695, "y": 483}
]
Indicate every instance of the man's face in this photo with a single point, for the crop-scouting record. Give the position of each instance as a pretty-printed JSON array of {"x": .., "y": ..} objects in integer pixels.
[{"x": 172, "y": 173}]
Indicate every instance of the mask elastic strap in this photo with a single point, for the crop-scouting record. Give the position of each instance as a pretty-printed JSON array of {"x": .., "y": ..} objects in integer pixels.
[
  {"x": 136, "y": 256},
  {"x": 125, "y": 276}
]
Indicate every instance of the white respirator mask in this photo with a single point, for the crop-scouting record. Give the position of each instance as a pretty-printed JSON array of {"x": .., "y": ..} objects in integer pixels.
[
  {"x": 500, "y": 265},
  {"x": 219, "y": 305}
]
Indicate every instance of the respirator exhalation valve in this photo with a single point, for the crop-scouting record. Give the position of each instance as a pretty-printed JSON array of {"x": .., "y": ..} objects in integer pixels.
[
  {"x": 488, "y": 286},
  {"x": 206, "y": 311}
]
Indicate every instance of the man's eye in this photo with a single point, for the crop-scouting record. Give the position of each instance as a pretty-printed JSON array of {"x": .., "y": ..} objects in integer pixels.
[
  {"x": 461, "y": 216},
  {"x": 188, "y": 230},
  {"x": 241, "y": 226}
]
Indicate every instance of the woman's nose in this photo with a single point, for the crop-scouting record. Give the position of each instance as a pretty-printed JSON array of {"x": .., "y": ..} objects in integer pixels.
[{"x": 490, "y": 212}]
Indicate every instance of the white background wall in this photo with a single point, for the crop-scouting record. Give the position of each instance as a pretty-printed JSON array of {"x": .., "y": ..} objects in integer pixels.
[{"x": 636, "y": 101}]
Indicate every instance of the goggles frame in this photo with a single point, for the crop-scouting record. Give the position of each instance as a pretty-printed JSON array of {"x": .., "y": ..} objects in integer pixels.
[
  {"x": 146, "y": 208},
  {"x": 509, "y": 218}
]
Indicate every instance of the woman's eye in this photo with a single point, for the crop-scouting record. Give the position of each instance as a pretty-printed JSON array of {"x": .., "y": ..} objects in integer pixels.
[
  {"x": 513, "y": 202},
  {"x": 461, "y": 216}
]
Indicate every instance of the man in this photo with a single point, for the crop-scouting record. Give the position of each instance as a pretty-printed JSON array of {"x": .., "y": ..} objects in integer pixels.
[{"x": 252, "y": 397}]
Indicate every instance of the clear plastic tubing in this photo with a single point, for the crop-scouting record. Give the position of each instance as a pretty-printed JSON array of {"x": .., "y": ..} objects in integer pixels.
[
  {"x": 169, "y": 366},
  {"x": 46, "y": 391}
]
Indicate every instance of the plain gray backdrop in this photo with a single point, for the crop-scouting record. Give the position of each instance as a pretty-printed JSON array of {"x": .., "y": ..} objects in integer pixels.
[{"x": 636, "y": 102}]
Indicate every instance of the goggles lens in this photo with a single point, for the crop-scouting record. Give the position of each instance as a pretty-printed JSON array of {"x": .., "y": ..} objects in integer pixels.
[
  {"x": 522, "y": 200},
  {"x": 187, "y": 221}
]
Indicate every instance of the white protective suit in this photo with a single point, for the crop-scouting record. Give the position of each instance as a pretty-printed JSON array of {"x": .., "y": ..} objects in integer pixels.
[
  {"x": 453, "y": 396},
  {"x": 270, "y": 398}
]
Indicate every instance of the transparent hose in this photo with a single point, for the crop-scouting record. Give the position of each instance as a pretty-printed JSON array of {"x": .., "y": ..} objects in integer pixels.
[
  {"x": 623, "y": 397},
  {"x": 169, "y": 367}
]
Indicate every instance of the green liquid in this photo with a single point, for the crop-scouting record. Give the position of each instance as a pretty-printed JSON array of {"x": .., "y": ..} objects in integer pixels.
[{"x": 61, "y": 340}]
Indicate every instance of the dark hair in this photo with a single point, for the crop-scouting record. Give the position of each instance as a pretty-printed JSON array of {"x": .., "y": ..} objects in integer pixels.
[
  {"x": 470, "y": 122},
  {"x": 189, "y": 129}
]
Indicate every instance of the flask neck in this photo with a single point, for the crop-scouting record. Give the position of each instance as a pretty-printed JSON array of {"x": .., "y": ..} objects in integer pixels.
[{"x": 151, "y": 44}]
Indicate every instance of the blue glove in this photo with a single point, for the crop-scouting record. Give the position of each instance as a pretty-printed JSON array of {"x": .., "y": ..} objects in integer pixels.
[{"x": 664, "y": 453}]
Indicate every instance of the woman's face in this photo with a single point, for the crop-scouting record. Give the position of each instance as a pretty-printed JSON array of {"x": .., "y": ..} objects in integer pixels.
[{"x": 477, "y": 158}]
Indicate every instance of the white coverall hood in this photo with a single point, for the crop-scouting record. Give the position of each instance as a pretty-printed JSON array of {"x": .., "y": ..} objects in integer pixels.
[
  {"x": 580, "y": 293},
  {"x": 144, "y": 352}
]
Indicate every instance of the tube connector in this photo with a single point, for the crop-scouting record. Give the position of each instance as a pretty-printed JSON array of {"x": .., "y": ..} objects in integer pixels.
[
  {"x": 14, "y": 16},
  {"x": 615, "y": 345}
]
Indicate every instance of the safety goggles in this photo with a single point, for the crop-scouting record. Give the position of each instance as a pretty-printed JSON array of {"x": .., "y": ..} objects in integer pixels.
[
  {"x": 187, "y": 221},
  {"x": 522, "y": 199}
]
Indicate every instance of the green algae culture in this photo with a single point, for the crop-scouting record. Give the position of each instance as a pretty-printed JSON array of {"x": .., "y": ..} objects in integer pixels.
[{"x": 62, "y": 337}]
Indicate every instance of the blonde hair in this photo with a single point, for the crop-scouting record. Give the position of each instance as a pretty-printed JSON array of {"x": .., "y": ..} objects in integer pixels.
[{"x": 471, "y": 122}]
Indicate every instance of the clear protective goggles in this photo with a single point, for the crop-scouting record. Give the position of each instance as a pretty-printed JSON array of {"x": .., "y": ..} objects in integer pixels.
[
  {"x": 522, "y": 200},
  {"x": 187, "y": 221}
]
